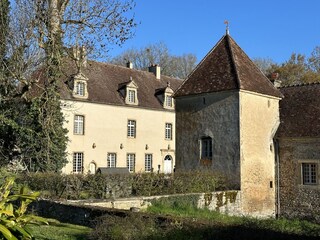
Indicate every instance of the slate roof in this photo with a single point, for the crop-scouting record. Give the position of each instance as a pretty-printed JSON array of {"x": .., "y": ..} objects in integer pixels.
[
  {"x": 300, "y": 111},
  {"x": 104, "y": 80},
  {"x": 226, "y": 67}
]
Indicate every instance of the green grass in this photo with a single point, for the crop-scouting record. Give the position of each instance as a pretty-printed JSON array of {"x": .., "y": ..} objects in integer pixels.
[
  {"x": 60, "y": 231},
  {"x": 274, "y": 228}
]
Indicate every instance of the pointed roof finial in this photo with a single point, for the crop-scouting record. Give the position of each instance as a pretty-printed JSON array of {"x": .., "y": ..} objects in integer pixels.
[{"x": 227, "y": 26}]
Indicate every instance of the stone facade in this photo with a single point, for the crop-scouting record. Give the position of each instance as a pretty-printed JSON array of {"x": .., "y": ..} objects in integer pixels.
[
  {"x": 259, "y": 121},
  {"x": 216, "y": 116},
  {"x": 296, "y": 199}
]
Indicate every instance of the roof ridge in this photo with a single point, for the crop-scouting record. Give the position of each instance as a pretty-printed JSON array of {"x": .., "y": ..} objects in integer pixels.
[
  {"x": 300, "y": 84},
  {"x": 233, "y": 61},
  {"x": 134, "y": 69}
]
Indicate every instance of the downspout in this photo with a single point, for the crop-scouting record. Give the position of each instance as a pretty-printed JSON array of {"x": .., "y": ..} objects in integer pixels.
[{"x": 277, "y": 158}]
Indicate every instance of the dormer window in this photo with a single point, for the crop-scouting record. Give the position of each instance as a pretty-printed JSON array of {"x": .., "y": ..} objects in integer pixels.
[
  {"x": 131, "y": 96},
  {"x": 80, "y": 86},
  {"x": 168, "y": 101},
  {"x": 129, "y": 91}
]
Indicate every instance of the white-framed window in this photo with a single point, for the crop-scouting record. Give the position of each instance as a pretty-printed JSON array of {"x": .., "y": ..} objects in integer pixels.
[
  {"x": 168, "y": 131},
  {"x": 131, "y": 162},
  {"x": 131, "y": 96},
  {"x": 206, "y": 148},
  {"x": 131, "y": 128},
  {"x": 168, "y": 101},
  {"x": 80, "y": 88},
  {"x": 309, "y": 173},
  {"x": 112, "y": 160},
  {"x": 77, "y": 162},
  {"x": 78, "y": 126},
  {"x": 148, "y": 162}
]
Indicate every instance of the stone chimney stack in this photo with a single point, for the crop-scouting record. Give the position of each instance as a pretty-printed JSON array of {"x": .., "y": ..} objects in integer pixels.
[
  {"x": 129, "y": 65},
  {"x": 275, "y": 80},
  {"x": 155, "y": 69}
]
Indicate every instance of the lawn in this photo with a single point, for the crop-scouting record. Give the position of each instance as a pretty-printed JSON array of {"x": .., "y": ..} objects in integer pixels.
[{"x": 60, "y": 231}]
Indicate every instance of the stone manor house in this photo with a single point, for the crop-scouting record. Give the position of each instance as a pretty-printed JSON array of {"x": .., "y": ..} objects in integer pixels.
[{"x": 226, "y": 116}]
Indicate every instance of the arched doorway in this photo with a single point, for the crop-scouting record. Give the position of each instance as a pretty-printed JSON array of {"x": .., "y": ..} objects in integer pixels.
[
  {"x": 92, "y": 168},
  {"x": 167, "y": 166}
]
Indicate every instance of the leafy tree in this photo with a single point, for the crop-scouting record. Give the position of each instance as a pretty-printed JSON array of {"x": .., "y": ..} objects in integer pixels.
[
  {"x": 295, "y": 71},
  {"x": 314, "y": 60},
  {"x": 174, "y": 66}
]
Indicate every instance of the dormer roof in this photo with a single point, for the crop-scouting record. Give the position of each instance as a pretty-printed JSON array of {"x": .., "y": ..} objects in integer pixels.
[{"x": 226, "y": 67}]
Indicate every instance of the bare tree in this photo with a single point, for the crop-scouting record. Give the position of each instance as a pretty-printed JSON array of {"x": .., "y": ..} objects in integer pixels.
[{"x": 158, "y": 53}]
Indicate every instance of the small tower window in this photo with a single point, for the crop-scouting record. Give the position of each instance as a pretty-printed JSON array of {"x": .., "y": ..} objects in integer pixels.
[{"x": 206, "y": 148}]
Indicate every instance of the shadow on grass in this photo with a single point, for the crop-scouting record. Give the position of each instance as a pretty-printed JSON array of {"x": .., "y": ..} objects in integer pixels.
[
  {"x": 227, "y": 232},
  {"x": 154, "y": 227}
]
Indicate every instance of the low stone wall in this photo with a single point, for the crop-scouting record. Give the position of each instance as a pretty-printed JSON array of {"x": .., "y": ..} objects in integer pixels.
[{"x": 84, "y": 212}]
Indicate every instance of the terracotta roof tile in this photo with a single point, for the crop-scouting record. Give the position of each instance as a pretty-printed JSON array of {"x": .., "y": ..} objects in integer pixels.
[
  {"x": 300, "y": 111},
  {"x": 104, "y": 80},
  {"x": 226, "y": 67}
]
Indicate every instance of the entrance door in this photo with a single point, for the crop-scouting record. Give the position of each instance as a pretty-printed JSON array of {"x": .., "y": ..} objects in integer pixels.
[
  {"x": 92, "y": 168},
  {"x": 167, "y": 167}
]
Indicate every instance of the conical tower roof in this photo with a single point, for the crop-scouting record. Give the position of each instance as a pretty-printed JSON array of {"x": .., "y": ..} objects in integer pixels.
[{"x": 226, "y": 67}]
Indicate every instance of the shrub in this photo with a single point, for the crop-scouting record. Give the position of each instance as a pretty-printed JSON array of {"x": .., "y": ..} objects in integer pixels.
[
  {"x": 132, "y": 226},
  {"x": 13, "y": 218}
]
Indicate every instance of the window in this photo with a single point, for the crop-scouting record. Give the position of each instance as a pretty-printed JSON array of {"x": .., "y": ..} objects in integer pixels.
[
  {"x": 80, "y": 88},
  {"x": 168, "y": 131},
  {"x": 78, "y": 125},
  {"x": 131, "y": 96},
  {"x": 112, "y": 160},
  {"x": 169, "y": 101},
  {"x": 131, "y": 128},
  {"x": 148, "y": 162},
  {"x": 309, "y": 173},
  {"x": 206, "y": 148},
  {"x": 77, "y": 162},
  {"x": 131, "y": 162}
]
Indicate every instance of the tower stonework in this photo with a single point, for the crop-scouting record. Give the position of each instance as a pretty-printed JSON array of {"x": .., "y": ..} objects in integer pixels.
[{"x": 227, "y": 113}]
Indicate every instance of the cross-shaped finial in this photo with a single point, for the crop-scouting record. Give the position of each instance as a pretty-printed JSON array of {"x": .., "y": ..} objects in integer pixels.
[{"x": 227, "y": 26}]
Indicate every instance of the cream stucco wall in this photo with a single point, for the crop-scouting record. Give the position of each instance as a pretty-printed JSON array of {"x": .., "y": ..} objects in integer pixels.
[
  {"x": 259, "y": 120},
  {"x": 106, "y": 128}
]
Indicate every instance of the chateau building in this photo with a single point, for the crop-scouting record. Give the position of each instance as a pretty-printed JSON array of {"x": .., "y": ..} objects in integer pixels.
[{"x": 119, "y": 117}]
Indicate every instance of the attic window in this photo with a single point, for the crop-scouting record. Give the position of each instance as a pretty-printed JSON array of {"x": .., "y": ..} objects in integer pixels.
[
  {"x": 79, "y": 85},
  {"x": 129, "y": 90},
  {"x": 131, "y": 96},
  {"x": 168, "y": 101},
  {"x": 80, "y": 88}
]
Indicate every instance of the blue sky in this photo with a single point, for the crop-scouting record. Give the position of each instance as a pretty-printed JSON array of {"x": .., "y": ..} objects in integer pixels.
[{"x": 269, "y": 29}]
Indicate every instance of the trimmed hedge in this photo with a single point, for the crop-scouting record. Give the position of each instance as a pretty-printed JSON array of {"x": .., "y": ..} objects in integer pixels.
[{"x": 98, "y": 186}]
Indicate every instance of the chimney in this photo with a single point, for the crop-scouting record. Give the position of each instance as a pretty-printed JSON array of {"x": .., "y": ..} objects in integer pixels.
[
  {"x": 129, "y": 65},
  {"x": 155, "y": 69},
  {"x": 275, "y": 80}
]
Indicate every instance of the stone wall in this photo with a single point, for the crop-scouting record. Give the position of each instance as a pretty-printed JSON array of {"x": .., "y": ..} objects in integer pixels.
[
  {"x": 259, "y": 121},
  {"x": 213, "y": 115},
  {"x": 85, "y": 212},
  {"x": 298, "y": 200}
]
